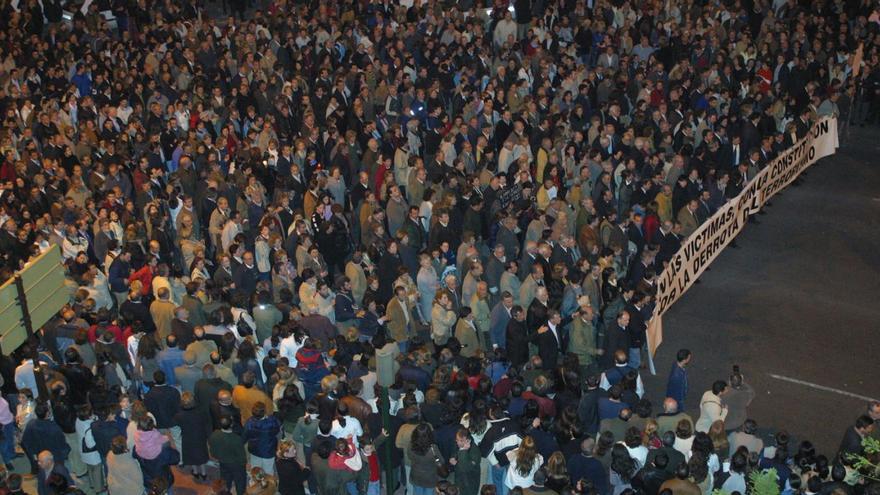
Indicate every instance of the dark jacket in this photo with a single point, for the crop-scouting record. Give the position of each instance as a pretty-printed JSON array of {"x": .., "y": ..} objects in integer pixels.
[
  {"x": 160, "y": 467},
  {"x": 649, "y": 479},
  {"x": 104, "y": 432},
  {"x": 42, "y": 476},
  {"x": 550, "y": 346},
  {"x": 194, "y": 431},
  {"x": 163, "y": 401},
  {"x": 291, "y": 476},
  {"x": 261, "y": 435},
  {"x": 581, "y": 467},
  {"x": 588, "y": 410},
  {"x": 677, "y": 385},
  {"x": 206, "y": 391},
  {"x": 467, "y": 470},
  {"x": 517, "y": 342},
  {"x": 45, "y": 434}
]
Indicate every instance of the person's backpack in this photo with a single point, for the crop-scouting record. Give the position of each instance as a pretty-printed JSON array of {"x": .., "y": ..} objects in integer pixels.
[
  {"x": 243, "y": 326},
  {"x": 84, "y": 447}
]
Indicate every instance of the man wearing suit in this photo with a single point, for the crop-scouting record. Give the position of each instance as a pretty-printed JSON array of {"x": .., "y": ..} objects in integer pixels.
[
  {"x": 732, "y": 154},
  {"x": 637, "y": 329},
  {"x": 688, "y": 219},
  {"x": 609, "y": 59},
  {"x": 749, "y": 135},
  {"x": 194, "y": 305},
  {"x": 563, "y": 252},
  {"x": 507, "y": 238},
  {"x": 498, "y": 320},
  {"x": 412, "y": 226},
  {"x": 852, "y": 439},
  {"x": 704, "y": 208},
  {"x": 539, "y": 310},
  {"x": 48, "y": 467},
  {"x": 617, "y": 337},
  {"x": 102, "y": 241},
  {"x": 530, "y": 285},
  {"x": 552, "y": 339},
  {"x": 399, "y": 318}
]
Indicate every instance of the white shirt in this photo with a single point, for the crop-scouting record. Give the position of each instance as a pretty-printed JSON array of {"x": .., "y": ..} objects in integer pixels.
[
  {"x": 352, "y": 427},
  {"x": 84, "y": 436},
  {"x": 288, "y": 348},
  {"x": 513, "y": 478}
]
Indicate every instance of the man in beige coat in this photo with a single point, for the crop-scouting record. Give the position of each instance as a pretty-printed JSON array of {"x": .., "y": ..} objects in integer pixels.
[
  {"x": 466, "y": 333},
  {"x": 400, "y": 318},
  {"x": 687, "y": 217},
  {"x": 162, "y": 311}
]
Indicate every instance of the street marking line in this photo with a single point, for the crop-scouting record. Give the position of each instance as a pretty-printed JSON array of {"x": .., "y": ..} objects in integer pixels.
[{"x": 821, "y": 387}]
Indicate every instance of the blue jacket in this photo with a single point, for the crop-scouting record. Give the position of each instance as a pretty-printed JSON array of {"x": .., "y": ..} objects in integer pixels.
[
  {"x": 45, "y": 434},
  {"x": 261, "y": 436},
  {"x": 677, "y": 385},
  {"x": 609, "y": 409},
  {"x": 118, "y": 273},
  {"x": 498, "y": 325},
  {"x": 344, "y": 306},
  {"x": 168, "y": 359}
]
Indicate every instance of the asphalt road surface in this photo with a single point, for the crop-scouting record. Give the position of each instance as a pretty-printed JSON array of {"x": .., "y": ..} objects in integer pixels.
[{"x": 796, "y": 300}]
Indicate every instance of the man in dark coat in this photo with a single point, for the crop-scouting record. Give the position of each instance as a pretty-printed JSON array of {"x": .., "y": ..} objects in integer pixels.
[
  {"x": 50, "y": 466},
  {"x": 163, "y": 401},
  {"x": 588, "y": 407},
  {"x": 583, "y": 466},
  {"x": 517, "y": 336},
  {"x": 208, "y": 387},
  {"x": 245, "y": 275},
  {"x": 552, "y": 339},
  {"x": 44, "y": 434},
  {"x": 852, "y": 439}
]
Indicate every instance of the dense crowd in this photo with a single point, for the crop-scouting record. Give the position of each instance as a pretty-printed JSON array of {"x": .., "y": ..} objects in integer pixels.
[{"x": 251, "y": 209}]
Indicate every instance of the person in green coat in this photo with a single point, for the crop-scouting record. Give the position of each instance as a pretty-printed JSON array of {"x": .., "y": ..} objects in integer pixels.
[
  {"x": 466, "y": 463},
  {"x": 582, "y": 338}
]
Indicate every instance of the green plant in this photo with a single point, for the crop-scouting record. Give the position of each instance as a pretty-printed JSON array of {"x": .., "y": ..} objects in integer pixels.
[
  {"x": 763, "y": 482},
  {"x": 866, "y": 464}
]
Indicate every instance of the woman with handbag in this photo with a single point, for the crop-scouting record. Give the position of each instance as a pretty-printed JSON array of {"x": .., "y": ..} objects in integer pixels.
[{"x": 428, "y": 465}]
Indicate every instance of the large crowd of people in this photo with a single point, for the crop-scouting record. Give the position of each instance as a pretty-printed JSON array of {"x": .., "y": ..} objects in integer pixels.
[{"x": 252, "y": 208}]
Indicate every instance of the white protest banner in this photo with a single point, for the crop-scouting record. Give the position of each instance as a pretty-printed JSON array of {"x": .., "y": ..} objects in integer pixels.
[{"x": 705, "y": 244}]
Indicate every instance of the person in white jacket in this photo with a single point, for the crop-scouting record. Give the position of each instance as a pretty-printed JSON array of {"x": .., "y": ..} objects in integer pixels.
[{"x": 711, "y": 407}]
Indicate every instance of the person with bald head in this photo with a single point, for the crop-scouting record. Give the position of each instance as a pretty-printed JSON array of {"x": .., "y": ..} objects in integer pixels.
[
  {"x": 583, "y": 466},
  {"x": 668, "y": 420},
  {"x": 222, "y": 406},
  {"x": 49, "y": 467}
]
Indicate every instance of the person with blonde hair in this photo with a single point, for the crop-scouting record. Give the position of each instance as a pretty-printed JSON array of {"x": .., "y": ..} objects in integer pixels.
[
  {"x": 524, "y": 463},
  {"x": 291, "y": 472}
]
